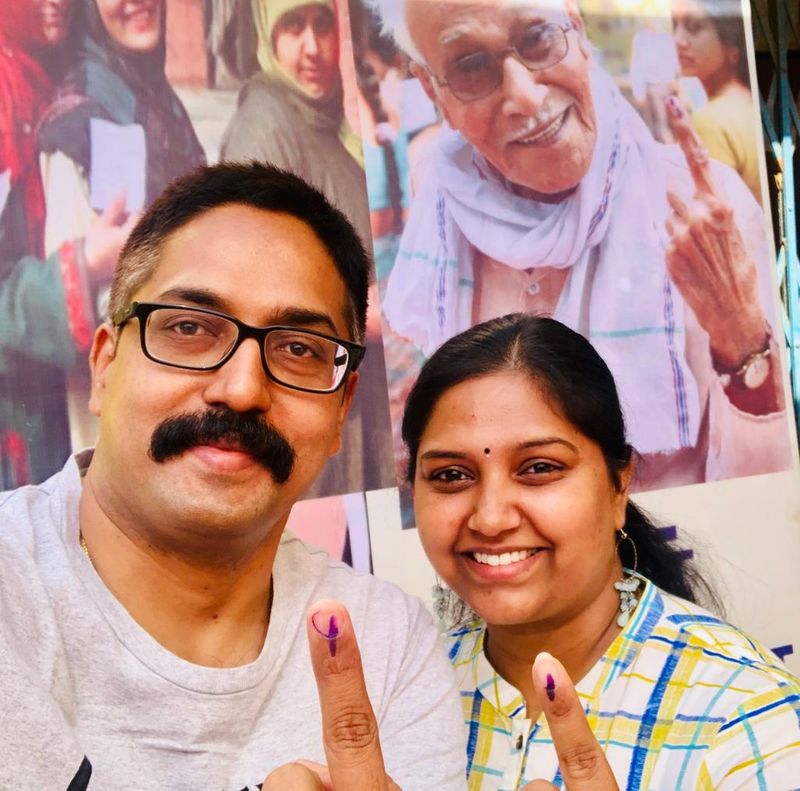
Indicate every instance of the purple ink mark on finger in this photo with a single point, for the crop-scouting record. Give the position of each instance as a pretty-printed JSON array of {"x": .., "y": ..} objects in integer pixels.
[
  {"x": 333, "y": 633},
  {"x": 330, "y": 633},
  {"x": 550, "y": 689},
  {"x": 675, "y": 107}
]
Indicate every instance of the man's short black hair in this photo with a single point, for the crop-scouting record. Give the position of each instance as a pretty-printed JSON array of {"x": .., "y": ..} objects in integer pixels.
[{"x": 256, "y": 184}]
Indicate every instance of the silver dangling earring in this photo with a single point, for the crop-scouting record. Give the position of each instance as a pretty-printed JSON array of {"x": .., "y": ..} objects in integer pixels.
[
  {"x": 451, "y": 611},
  {"x": 441, "y": 598},
  {"x": 628, "y": 585}
]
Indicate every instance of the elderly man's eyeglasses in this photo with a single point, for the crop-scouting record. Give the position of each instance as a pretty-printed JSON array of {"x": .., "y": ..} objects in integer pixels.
[
  {"x": 476, "y": 75},
  {"x": 199, "y": 339}
]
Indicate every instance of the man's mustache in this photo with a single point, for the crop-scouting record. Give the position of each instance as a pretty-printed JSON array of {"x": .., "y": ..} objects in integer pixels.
[{"x": 244, "y": 431}]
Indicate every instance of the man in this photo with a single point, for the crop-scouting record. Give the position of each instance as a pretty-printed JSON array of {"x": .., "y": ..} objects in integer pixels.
[
  {"x": 152, "y": 609},
  {"x": 547, "y": 193}
]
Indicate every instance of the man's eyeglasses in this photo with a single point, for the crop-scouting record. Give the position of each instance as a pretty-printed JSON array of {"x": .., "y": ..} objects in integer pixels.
[
  {"x": 199, "y": 339},
  {"x": 476, "y": 75}
]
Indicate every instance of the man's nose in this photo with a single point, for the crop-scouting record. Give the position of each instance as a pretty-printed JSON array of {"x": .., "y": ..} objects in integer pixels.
[
  {"x": 523, "y": 92},
  {"x": 495, "y": 509},
  {"x": 241, "y": 383}
]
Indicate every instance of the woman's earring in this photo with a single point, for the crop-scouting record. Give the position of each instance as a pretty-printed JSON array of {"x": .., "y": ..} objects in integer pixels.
[
  {"x": 628, "y": 585},
  {"x": 441, "y": 598}
]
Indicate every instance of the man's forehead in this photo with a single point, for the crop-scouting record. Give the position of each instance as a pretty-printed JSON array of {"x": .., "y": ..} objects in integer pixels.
[
  {"x": 243, "y": 254},
  {"x": 463, "y": 8},
  {"x": 442, "y": 22}
]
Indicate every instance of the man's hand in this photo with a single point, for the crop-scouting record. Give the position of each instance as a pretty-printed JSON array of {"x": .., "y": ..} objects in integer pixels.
[
  {"x": 106, "y": 237},
  {"x": 583, "y": 764},
  {"x": 707, "y": 257},
  {"x": 349, "y": 728}
]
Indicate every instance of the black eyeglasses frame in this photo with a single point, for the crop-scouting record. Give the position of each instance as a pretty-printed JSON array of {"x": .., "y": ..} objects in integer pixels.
[{"x": 142, "y": 310}]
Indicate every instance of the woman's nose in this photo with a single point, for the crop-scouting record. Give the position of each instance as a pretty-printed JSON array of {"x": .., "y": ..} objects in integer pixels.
[{"x": 495, "y": 510}]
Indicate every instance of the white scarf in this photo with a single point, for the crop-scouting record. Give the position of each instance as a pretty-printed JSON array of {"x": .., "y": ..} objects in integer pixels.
[{"x": 609, "y": 232}]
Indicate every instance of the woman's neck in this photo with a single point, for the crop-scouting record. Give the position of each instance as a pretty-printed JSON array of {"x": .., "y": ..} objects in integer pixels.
[
  {"x": 722, "y": 82},
  {"x": 578, "y": 643}
]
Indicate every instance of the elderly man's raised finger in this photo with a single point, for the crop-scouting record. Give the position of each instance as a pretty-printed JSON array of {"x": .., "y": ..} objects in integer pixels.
[
  {"x": 692, "y": 146},
  {"x": 582, "y": 761},
  {"x": 349, "y": 727}
]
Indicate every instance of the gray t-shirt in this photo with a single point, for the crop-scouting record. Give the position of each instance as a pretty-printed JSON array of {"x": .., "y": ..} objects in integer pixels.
[{"x": 79, "y": 677}]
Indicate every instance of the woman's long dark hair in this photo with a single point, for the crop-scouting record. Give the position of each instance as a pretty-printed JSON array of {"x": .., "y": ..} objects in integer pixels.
[{"x": 580, "y": 387}]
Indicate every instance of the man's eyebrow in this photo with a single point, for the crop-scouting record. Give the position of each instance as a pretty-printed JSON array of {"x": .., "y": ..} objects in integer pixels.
[
  {"x": 530, "y": 444},
  {"x": 466, "y": 29},
  {"x": 197, "y": 296},
  {"x": 297, "y": 317},
  {"x": 302, "y": 317}
]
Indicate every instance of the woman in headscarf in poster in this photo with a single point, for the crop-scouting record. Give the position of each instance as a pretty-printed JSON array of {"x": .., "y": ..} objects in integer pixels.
[
  {"x": 292, "y": 112},
  {"x": 113, "y": 138},
  {"x": 42, "y": 300}
]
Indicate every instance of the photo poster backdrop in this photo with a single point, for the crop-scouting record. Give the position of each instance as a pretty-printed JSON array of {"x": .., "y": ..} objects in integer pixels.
[{"x": 352, "y": 119}]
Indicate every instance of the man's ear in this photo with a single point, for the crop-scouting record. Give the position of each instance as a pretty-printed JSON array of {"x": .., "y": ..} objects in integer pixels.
[
  {"x": 104, "y": 347},
  {"x": 426, "y": 80},
  {"x": 348, "y": 391},
  {"x": 576, "y": 20}
]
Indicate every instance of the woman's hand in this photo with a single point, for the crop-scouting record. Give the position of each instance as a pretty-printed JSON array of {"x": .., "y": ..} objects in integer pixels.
[
  {"x": 349, "y": 728},
  {"x": 105, "y": 238},
  {"x": 583, "y": 763}
]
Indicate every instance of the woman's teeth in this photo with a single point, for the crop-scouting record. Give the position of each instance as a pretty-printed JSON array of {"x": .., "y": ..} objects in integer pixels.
[{"x": 503, "y": 559}]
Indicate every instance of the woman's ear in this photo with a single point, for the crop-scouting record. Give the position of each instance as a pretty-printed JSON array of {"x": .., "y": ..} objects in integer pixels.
[{"x": 624, "y": 478}]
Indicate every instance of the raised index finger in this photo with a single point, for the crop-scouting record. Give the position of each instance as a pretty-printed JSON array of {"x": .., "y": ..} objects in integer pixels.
[
  {"x": 583, "y": 764},
  {"x": 349, "y": 727},
  {"x": 692, "y": 146}
]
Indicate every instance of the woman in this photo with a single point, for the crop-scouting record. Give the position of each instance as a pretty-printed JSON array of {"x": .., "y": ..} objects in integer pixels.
[
  {"x": 292, "y": 113},
  {"x": 42, "y": 325},
  {"x": 712, "y": 49},
  {"x": 113, "y": 138},
  {"x": 385, "y": 142},
  {"x": 521, "y": 471}
]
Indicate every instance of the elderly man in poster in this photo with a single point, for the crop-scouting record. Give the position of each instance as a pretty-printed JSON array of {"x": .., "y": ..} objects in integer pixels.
[{"x": 547, "y": 193}]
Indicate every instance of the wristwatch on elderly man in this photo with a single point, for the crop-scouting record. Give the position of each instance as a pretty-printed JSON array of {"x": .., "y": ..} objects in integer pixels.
[{"x": 752, "y": 373}]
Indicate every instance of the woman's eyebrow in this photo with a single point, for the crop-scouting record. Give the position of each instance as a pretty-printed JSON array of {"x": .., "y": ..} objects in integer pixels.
[
  {"x": 443, "y": 454},
  {"x": 538, "y": 443},
  {"x": 533, "y": 443}
]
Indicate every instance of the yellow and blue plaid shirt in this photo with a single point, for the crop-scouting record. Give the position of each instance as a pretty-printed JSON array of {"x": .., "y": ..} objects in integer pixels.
[{"x": 681, "y": 700}]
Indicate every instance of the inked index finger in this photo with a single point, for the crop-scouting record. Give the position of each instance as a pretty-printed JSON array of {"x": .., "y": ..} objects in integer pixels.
[
  {"x": 349, "y": 727},
  {"x": 692, "y": 146},
  {"x": 582, "y": 761}
]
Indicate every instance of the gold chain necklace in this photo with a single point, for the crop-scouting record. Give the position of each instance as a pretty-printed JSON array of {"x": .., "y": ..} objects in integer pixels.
[{"x": 84, "y": 547}]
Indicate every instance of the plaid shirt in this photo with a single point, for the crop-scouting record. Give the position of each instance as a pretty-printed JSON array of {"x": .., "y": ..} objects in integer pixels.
[{"x": 680, "y": 700}]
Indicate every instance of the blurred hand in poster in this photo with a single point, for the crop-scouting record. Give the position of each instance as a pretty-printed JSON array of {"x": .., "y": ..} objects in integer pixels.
[
  {"x": 106, "y": 236},
  {"x": 707, "y": 256},
  {"x": 581, "y": 759},
  {"x": 349, "y": 728}
]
